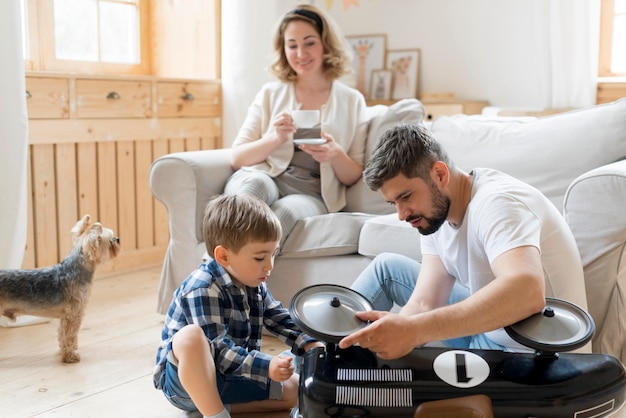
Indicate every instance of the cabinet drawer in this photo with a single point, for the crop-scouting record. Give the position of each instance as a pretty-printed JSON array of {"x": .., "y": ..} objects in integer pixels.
[
  {"x": 433, "y": 111},
  {"x": 113, "y": 99},
  {"x": 179, "y": 99},
  {"x": 47, "y": 98}
]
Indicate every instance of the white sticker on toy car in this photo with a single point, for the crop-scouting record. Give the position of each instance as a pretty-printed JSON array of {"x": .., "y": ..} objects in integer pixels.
[{"x": 461, "y": 369}]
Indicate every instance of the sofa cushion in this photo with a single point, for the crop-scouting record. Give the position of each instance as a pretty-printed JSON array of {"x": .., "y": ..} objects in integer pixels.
[
  {"x": 388, "y": 234},
  {"x": 324, "y": 235},
  {"x": 548, "y": 152},
  {"x": 359, "y": 198}
]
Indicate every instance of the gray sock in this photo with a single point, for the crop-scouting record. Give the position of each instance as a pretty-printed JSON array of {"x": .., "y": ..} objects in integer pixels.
[{"x": 223, "y": 414}]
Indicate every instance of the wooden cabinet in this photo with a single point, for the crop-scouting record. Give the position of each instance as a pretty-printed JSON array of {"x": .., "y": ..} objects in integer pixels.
[
  {"x": 47, "y": 98},
  {"x": 433, "y": 110},
  {"x": 92, "y": 140},
  {"x": 113, "y": 99},
  {"x": 188, "y": 99}
]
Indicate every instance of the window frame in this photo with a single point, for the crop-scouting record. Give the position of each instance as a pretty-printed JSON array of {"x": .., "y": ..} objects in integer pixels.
[
  {"x": 607, "y": 17},
  {"x": 41, "y": 47}
]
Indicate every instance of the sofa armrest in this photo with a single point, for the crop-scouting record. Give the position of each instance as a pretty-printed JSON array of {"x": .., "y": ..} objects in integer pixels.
[
  {"x": 594, "y": 207},
  {"x": 184, "y": 182}
]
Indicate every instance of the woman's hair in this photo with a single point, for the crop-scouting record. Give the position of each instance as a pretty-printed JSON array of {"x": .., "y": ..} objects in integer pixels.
[
  {"x": 405, "y": 149},
  {"x": 337, "y": 60},
  {"x": 236, "y": 220}
]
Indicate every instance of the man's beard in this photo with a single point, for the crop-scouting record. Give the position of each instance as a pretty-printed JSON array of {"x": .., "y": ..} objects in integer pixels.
[{"x": 441, "y": 205}]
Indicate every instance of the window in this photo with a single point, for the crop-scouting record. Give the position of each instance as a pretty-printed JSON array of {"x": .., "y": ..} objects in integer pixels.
[
  {"x": 613, "y": 39},
  {"x": 88, "y": 36}
]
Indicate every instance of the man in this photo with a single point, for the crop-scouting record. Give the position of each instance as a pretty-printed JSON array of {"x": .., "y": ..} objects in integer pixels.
[{"x": 493, "y": 248}]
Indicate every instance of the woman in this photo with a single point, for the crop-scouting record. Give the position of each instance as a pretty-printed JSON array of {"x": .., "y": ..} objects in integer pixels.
[{"x": 305, "y": 180}]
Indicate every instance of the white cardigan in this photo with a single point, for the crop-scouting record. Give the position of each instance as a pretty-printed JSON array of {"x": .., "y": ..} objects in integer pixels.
[{"x": 343, "y": 116}]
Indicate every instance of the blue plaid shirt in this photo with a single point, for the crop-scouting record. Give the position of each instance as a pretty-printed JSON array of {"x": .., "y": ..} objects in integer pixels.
[{"x": 232, "y": 319}]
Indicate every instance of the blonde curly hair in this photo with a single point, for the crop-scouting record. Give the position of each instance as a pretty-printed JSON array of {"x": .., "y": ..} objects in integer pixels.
[{"x": 337, "y": 59}]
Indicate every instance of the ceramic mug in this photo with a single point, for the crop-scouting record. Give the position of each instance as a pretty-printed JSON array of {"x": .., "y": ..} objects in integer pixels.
[{"x": 305, "y": 118}]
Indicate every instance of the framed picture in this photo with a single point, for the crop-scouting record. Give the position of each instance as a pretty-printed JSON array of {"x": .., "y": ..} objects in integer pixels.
[
  {"x": 380, "y": 86},
  {"x": 368, "y": 54},
  {"x": 404, "y": 64}
]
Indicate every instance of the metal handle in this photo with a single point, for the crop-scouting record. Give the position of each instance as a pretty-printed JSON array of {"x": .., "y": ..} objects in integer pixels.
[
  {"x": 113, "y": 95},
  {"x": 28, "y": 95},
  {"x": 187, "y": 96}
]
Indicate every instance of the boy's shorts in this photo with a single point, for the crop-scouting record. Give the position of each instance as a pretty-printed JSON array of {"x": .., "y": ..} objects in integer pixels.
[{"x": 232, "y": 389}]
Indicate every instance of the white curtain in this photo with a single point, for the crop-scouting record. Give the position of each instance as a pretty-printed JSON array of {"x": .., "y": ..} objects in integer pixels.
[
  {"x": 13, "y": 138},
  {"x": 571, "y": 52}
]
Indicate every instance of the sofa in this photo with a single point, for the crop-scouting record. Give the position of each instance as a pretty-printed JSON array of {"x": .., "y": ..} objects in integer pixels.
[{"x": 574, "y": 158}]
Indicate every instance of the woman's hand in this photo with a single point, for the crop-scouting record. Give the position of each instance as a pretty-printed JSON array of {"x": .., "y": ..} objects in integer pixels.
[
  {"x": 345, "y": 168},
  {"x": 326, "y": 152},
  {"x": 281, "y": 368},
  {"x": 284, "y": 127}
]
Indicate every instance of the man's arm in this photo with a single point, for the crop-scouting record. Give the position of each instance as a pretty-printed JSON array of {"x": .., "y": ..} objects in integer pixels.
[
  {"x": 432, "y": 289},
  {"x": 517, "y": 292}
]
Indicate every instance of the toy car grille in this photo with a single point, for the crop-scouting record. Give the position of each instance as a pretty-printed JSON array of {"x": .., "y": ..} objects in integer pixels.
[
  {"x": 375, "y": 375},
  {"x": 381, "y": 397},
  {"x": 368, "y": 396}
]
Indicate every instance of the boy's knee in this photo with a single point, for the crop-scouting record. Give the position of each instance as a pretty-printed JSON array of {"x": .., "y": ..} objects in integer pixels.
[
  {"x": 290, "y": 391},
  {"x": 190, "y": 337}
]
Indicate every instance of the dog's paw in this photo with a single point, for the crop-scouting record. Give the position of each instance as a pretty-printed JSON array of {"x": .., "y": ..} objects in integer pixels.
[{"x": 72, "y": 357}]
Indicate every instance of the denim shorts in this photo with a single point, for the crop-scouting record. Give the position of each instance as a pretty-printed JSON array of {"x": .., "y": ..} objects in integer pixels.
[{"x": 232, "y": 389}]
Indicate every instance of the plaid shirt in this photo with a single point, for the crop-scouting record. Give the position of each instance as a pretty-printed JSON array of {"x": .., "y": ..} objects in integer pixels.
[{"x": 232, "y": 319}]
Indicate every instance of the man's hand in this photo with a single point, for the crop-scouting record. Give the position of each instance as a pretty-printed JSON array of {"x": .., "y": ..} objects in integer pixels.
[
  {"x": 389, "y": 335},
  {"x": 281, "y": 368}
]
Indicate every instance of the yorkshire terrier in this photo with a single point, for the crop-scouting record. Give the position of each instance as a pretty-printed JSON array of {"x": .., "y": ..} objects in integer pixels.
[{"x": 61, "y": 291}]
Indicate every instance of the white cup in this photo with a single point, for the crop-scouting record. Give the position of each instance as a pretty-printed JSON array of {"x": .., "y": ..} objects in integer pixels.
[{"x": 305, "y": 118}]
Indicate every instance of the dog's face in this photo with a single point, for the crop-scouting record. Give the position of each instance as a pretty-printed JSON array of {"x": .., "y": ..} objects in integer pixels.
[{"x": 98, "y": 243}]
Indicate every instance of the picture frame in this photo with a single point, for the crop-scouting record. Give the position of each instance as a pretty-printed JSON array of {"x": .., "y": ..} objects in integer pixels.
[
  {"x": 380, "y": 86},
  {"x": 368, "y": 54},
  {"x": 404, "y": 65}
]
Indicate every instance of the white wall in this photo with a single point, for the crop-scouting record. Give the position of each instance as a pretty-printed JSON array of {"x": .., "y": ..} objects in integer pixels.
[{"x": 513, "y": 53}]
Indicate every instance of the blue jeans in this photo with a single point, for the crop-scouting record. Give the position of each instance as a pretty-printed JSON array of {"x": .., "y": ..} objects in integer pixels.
[
  {"x": 390, "y": 278},
  {"x": 232, "y": 389}
]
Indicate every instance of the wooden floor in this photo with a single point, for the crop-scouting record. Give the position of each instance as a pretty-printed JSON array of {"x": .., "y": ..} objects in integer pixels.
[{"x": 117, "y": 343}]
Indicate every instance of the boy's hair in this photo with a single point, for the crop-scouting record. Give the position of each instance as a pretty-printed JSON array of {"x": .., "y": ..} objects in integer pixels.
[
  {"x": 236, "y": 220},
  {"x": 405, "y": 149},
  {"x": 337, "y": 59}
]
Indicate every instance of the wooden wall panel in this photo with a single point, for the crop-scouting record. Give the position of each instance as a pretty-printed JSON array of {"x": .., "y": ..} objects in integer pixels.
[
  {"x": 161, "y": 228},
  {"x": 145, "y": 202},
  {"x": 44, "y": 205},
  {"x": 87, "y": 181},
  {"x": 68, "y": 194},
  {"x": 101, "y": 167},
  {"x": 126, "y": 192},
  {"x": 107, "y": 185},
  {"x": 28, "y": 261}
]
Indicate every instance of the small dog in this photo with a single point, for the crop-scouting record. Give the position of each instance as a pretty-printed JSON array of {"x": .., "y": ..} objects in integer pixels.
[{"x": 61, "y": 291}]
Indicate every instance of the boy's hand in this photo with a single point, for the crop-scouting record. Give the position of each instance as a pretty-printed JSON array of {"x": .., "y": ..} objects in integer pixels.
[{"x": 281, "y": 368}]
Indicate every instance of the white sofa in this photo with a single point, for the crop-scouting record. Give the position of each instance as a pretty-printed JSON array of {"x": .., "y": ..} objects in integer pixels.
[{"x": 573, "y": 158}]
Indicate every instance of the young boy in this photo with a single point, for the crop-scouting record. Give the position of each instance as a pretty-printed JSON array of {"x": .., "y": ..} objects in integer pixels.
[{"x": 210, "y": 354}]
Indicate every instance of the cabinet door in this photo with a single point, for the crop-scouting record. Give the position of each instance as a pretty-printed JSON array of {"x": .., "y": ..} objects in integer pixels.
[
  {"x": 113, "y": 99},
  {"x": 188, "y": 99},
  {"x": 47, "y": 98},
  {"x": 434, "y": 110}
]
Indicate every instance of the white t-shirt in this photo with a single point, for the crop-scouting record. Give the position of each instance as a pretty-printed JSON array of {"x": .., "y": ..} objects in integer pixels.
[{"x": 505, "y": 213}]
